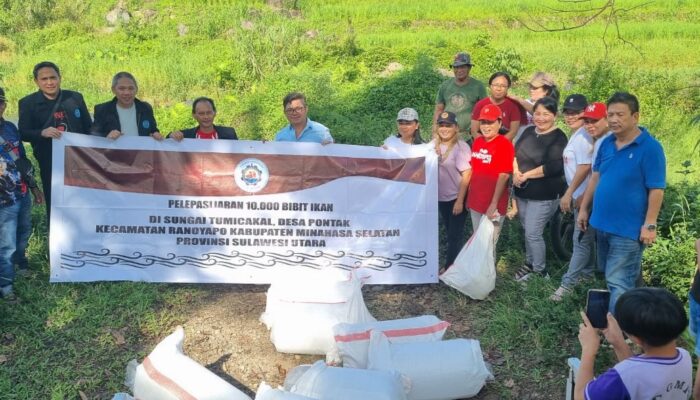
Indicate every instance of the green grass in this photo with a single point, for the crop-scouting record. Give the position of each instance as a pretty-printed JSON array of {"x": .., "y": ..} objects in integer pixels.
[{"x": 63, "y": 338}]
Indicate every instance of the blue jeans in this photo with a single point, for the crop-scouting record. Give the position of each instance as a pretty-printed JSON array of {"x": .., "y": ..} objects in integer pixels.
[
  {"x": 15, "y": 228},
  {"x": 621, "y": 259},
  {"x": 694, "y": 321},
  {"x": 581, "y": 265}
]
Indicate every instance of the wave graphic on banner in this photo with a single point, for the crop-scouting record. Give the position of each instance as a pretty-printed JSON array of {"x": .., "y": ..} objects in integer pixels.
[{"x": 260, "y": 259}]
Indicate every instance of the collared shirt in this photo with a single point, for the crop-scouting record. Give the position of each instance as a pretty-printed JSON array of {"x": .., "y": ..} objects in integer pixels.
[
  {"x": 626, "y": 176},
  {"x": 313, "y": 132}
]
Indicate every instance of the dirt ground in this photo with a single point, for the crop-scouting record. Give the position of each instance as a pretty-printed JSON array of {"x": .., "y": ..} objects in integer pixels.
[{"x": 224, "y": 333}]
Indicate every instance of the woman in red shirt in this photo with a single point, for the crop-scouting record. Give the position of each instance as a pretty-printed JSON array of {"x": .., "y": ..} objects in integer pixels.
[
  {"x": 511, "y": 111},
  {"x": 492, "y": 165}
]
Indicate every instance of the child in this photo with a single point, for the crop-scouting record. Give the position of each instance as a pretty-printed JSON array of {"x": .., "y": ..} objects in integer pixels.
[
  {"x": 653, "y": 318},
  {"x": 694, "y": 300}
]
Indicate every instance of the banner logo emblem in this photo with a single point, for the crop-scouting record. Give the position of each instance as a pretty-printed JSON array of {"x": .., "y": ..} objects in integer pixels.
[{"x": 251, "y": 175}]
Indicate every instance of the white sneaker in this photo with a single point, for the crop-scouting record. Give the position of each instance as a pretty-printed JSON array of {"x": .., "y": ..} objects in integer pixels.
[{"x": 560, "y": 293}]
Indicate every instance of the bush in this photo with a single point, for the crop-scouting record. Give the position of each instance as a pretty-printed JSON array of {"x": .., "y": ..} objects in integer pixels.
[
  {"x": 670, "y": 262},
  {"x": 507, "y": 60}
]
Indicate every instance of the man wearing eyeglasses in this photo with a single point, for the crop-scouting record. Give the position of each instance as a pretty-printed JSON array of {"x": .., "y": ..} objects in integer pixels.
[
  {"x": 301, "y": 128},
  {"x": 459, "y": 94}
]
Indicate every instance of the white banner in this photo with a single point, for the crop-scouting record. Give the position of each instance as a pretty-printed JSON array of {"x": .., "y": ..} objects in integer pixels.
[{"x": 222, "y": 211}]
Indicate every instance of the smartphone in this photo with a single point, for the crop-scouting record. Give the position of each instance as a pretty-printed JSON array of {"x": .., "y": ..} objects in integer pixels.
[{"x": 597, "y": 307}]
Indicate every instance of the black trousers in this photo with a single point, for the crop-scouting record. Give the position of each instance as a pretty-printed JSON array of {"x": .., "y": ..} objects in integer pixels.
[{"x": 454, "y": 229}]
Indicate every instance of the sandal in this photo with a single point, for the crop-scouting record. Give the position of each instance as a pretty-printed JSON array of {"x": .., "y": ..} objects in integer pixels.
[{"x": 523, "y": 272}]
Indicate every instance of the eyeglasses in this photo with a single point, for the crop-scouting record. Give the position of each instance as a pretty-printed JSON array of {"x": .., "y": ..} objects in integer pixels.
[
  {"x": 499, "y": 85},
  {"x": 295, "y": 110}
]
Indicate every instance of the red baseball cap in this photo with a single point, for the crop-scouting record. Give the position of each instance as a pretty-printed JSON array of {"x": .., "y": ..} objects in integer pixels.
[
  {"x": 595, "y": 111},
  {"x": 490, "y": 112}
]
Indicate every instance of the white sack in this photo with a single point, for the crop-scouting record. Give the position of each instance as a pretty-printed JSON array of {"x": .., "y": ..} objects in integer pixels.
[
  {"x": 265, "y": 392},
  {"x": 301, "y": 310},
  {"x": 168, "y": 374},
  {"x": 352, "y": 340},
  {"x": 450, "y": 369},
  {"x": 332, "y": 383},
  {"x": 474, "y": 271}
]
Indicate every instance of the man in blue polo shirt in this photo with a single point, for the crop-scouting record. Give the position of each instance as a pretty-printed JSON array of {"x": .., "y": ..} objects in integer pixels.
[
  {"x": 626, "y": 190},
  {"x": 301, "y": 128}
]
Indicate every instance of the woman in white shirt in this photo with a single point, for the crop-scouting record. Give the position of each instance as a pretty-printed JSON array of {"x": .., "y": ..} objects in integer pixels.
[{"x": 408, "y": 130}]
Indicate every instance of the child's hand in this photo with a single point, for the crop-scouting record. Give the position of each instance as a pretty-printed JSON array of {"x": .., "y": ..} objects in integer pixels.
[
  {"x": 588, "y": 336},
  {"x": 613, "y": 333}
]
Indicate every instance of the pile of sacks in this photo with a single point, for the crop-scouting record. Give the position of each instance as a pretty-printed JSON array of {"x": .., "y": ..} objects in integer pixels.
[{"x": 403, "y": 359}]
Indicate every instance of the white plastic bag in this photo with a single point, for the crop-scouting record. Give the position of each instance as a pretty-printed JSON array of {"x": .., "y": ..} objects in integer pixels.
[
  {"x": 302, "y": 309},
  {"x": 168, "y": 374},
  {"x": 450, "y": 369},
  {"x": 474, "y": 271},
  {"x": 332, "y": 383},
  {"x": 266, "y": 392},
  {"x": 352, "y": 340}
]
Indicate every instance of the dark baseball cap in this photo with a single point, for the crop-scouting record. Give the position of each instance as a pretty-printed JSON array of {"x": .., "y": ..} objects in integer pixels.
[
  {"x": 447, "y": 117},
  {"x": 575, "y": 102}
]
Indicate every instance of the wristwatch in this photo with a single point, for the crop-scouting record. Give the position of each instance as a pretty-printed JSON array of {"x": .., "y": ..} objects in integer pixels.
[{"x": 650, "y": 227}]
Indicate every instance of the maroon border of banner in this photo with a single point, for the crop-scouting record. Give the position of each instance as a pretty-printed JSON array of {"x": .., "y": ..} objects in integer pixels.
[{"x": 212, "y": 174}]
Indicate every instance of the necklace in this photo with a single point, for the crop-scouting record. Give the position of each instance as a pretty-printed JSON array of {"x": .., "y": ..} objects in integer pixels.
[{"x": 442, "y": 157}]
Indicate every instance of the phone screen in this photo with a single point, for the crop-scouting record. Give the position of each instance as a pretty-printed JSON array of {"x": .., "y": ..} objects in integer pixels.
[{"x": 597, "y": 307}]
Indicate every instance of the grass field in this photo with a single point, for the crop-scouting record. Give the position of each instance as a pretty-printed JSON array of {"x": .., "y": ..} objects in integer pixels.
[{"x": 62, "y": 340}]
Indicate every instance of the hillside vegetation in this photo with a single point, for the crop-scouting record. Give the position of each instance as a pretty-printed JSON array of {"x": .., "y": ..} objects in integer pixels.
[{"x": 358, "y": 61}]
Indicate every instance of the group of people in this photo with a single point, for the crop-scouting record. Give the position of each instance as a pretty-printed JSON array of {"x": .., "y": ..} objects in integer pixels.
[
  {"x": 499, "y": 155},
  {"x": 609, "y": 171},
  {"x": 515, "y": 147},
  {"x": 45, "y": 114}
]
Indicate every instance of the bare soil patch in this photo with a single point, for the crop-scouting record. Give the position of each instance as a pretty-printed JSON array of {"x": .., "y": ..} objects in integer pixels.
[{"x": 223, "y": 331}]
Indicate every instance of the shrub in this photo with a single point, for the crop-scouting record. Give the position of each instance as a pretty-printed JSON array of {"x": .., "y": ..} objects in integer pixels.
[
  {"x": 670, "y": 262},
  {"x": 507, "y": 60}
]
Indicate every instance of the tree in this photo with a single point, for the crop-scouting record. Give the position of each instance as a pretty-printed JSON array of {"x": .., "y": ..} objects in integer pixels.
[{"x": 577, "y": 14}]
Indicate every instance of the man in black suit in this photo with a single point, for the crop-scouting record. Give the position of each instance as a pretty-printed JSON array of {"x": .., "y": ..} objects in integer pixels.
[
  {"x": 46, "y": 114},
  {"x": 125, "y": 115}
]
